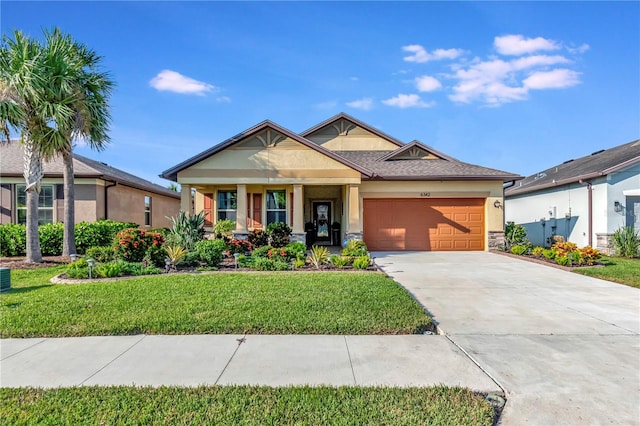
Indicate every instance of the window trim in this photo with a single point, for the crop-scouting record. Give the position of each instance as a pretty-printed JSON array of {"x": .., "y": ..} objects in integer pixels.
[
  {"x": 52, "y": 208},
  {"x": 147, "y": 210},
  {"x": 267, "y": 209},
  {"x": 221, "y": 210}
]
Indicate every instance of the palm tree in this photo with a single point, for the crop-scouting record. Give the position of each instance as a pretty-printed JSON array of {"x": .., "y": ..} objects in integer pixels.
[
  {"x": 78, "y": 96},
  {"x": 22, "y": 90}
]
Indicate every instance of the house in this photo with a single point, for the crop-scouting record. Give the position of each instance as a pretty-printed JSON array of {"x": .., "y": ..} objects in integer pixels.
[
  {"x": 583, "y": 200},
  {"x": 344, "y": 179},
  {"x": 101, "y": 192}
]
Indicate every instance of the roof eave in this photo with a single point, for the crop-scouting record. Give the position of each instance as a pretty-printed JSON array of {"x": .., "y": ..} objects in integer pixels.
[{"x": 503, "y": 178}]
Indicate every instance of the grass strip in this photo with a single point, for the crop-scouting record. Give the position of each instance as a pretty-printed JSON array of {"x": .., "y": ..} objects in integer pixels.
[
  {"x": 616, "y": 269},
  {"x": 248, "y": 405},
  {"x": 219, "y": 303}
]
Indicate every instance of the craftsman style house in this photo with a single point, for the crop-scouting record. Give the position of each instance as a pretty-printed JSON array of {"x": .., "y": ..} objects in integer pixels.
[{"x": 345, "y": 179}]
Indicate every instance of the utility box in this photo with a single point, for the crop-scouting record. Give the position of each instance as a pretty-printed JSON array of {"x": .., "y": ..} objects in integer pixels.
[{"x": 5, "y": 279}]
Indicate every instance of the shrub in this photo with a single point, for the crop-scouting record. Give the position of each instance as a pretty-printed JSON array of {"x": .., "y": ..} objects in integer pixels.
[
  {"x": 192, "y": 258},
  {"x": 563, "y": 260},
  {"x": 132, "y": 245},
  {"x": 13, "y": 240},
  {"x": 538, "y": 251},
  {"x": 549, "y": 254},
  {"x": 108, "y": 270},
  {"x": 246, "y": 261},
  {"x": 519, "y": 249},
  {"x": 135, "y": 268},
  {"x": 299, "y": 263},
  {"x": 318, "y": 256},
  {"x": 295, "y": 250},
  {"x": 354, "y": 248},
  {"x": 362, "y": 262},
  {"x": 261, "y": 252},
  {"x": 514, "y": 235},
  {"x": 263, "y": 264},
  {"x": 339, "y": 261},
  {"x": 258, "y": 238},
  {"x": 50, "y": 235},
  {"x": 277, "y": 254},
  {"x": 187, "y": 229},
  {"x": 99, "y": 233},
  {"x": 224, "y": 229},
  {"x": 175, "y": 254},
  {"x": 626, "y": 242},
  {"x": 101, "y": 254},
  {"x": 78, "y": 269},
  {"x": 279, "y": 234},
  {"x": 588, "y": 255},
  {"x": 239, "y": 246},
  {"x": 210, "y": 251}
]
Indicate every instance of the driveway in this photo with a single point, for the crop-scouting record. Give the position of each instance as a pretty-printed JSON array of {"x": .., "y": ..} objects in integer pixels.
[{"x": 564, "y": 347}]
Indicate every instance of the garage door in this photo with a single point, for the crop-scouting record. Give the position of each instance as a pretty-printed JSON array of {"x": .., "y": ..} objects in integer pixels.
[{"x": 441, "y": 224}]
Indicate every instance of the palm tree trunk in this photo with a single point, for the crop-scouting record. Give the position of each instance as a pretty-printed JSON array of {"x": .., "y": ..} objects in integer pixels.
[
  {"x": 33, "y": 174},
  {"x": 68, "y": 245}
]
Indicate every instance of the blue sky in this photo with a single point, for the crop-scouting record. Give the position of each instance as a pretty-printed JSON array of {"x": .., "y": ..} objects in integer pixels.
[{"x": 516, "y": 86}]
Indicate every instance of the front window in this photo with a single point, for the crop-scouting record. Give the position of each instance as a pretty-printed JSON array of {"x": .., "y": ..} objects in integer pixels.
[
  {"x": 45, "y": 204},
  {"x": 227, "y": 205},
  {"x": 147, "y": 211},
  {"x": 276, "y": 207}
]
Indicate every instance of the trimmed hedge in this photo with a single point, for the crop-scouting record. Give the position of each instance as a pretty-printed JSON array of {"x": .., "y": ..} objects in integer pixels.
[{"x": 13, "y": 238}]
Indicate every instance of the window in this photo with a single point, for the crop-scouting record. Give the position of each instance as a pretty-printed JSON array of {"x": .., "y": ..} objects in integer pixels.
[
  {"x": 147, "y": 211},
  {"x": 227, "y": 205},
  {"x": 276, "y": 207},
  {"x": 45, "y": 204}
]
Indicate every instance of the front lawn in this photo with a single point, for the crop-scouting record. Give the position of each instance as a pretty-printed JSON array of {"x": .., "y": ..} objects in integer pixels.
[
  {"x": 617, "y": 269},
  {"x": 219, "y": 303},
  {"x": 249, "y": 405}
]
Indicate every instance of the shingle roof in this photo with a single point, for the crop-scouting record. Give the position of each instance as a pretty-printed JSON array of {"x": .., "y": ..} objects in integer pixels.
[
  {"x": 599, "y": 163},
  {"x": 11, "y": 163},
  {"x": 430, "y": 169}
]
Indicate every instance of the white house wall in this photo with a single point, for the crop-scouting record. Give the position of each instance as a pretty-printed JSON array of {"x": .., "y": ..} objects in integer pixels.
[{"x": 627, "y": 179}]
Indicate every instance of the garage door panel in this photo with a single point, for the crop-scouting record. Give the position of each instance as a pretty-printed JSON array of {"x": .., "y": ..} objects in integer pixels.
[{"x": 424, "y": 224}]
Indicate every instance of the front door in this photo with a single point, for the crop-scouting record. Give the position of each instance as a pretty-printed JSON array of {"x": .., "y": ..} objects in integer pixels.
[
  {"x": 633, "y": 212},
  {"x": 322, "y": 221}
]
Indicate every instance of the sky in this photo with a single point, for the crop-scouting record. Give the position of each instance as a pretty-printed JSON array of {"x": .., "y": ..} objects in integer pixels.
[{"x": 515, "y": 86}]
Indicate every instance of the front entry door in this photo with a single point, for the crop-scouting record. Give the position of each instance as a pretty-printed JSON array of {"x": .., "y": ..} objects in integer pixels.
[{"x": 322, "y": 221}]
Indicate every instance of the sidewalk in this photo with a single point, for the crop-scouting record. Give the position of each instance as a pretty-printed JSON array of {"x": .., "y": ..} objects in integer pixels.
[{"x": 191, "y": 360}]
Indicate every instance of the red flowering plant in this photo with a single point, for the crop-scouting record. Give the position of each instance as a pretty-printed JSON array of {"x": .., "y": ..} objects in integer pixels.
[
  {"x": 134, "y": 244},
  {"x": 239, "y": 246},
  {"x": 277, "y": 254}
]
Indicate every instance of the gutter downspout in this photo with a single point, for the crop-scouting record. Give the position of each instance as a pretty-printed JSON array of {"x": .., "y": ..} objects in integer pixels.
[
  {"x": 504, "y": 213},
  {"x": 106, "y": 198},
  {"x": 590, "y": 208}
]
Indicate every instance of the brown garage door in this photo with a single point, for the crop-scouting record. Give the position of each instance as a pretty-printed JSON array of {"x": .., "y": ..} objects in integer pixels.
[{"x": 437, "y": 224}]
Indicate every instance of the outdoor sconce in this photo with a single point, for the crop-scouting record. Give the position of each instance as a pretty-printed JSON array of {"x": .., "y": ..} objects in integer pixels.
[
  {"x": 167, "y": 265},
  {"x": 497, "y": 204},
  {"x": 90, "y": 262},
  {"x": 617, "y": 207}
]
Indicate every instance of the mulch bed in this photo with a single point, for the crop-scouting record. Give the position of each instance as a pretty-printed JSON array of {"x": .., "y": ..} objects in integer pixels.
[
  {"x": 544, "y": 261},
  {"x": 20, "y": 263}
]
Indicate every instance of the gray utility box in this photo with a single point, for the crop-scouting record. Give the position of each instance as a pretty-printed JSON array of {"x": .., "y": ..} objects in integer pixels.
[{"x": 5, "y": 279}]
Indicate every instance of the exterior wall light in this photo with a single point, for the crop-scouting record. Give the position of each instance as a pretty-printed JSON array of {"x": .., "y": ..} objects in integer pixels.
[
  {"x": 497, "y": 204},
  {"x": 617, "y": 207}
]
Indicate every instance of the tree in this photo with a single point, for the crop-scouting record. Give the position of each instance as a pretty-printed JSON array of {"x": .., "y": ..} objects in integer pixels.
[
  {"x": 52, "y": 94},
  {"x": 79, "y": 96}
]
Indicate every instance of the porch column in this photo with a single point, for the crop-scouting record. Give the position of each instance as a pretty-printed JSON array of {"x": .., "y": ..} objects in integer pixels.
[
  {"x": 241, "y": 212},
  {"x": 354, "y": 229},
  {"x": 298, "y": 207},
  {"x": 186, "y": 204}
]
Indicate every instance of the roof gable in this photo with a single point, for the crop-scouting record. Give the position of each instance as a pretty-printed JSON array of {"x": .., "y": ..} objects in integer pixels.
[
  {"x": 263, "y": 135},
  {"x": 416, "y": 150},
  {"x": 345, "y": 133}
]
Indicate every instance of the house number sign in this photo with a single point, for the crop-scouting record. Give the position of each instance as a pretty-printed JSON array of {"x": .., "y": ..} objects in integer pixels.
[{"x": 425, "y": 194}]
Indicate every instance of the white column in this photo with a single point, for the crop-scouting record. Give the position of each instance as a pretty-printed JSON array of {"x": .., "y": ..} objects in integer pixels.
[
  {"x": 241, "y": 212},
  {"x": 353, "y": 208},
  {"x": 186, "y": 203},
  {"x": 298, "y": 207}
]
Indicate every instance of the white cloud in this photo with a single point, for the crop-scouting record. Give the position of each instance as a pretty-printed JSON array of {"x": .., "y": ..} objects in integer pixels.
[
  {"x": 407, "y": 101},
  {"x": 420, "y": 54},
  {"x": 537, "y": 60},
  {"x": 580, "y": 49},
  {"x": 364, "y": 104},
  {"x": 555, "y": 79},
  {"x": 173, "y": 81},
  {"x": 223, "y": 99},
  {"x": 515, "y": 44},
  {"x": 426, "y": 83},
  {"x": 354, "y": 78},
  {"x": 326, "y": 104}
]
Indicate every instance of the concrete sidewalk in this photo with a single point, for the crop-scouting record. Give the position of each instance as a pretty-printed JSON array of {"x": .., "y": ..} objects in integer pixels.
[{"x": 190, "y": 360}]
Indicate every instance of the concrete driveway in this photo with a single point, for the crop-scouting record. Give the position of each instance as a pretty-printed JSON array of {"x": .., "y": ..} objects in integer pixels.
[{"x": 564, "y": 347}]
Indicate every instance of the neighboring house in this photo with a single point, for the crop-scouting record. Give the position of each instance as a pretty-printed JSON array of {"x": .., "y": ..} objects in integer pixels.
[
  {"x": 583, "y": 200},
  {"x": 101, "y": 192},
  {"x": 345, "y": 179}
]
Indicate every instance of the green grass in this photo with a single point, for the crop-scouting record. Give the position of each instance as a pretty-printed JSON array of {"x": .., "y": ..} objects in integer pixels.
[
  {"x": 244, "y": 405},
  {"x": 616, "y": 269},
  {"x": 253, "y": 303}
]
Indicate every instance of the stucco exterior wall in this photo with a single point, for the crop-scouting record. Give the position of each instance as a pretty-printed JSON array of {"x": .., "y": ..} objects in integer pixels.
[
  {"x": 344, "y": 136},
  {"x": 127, "y": 205},
  {"x": 627, "y": 179}
]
